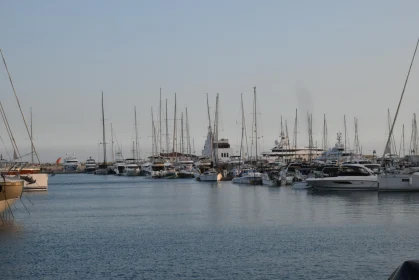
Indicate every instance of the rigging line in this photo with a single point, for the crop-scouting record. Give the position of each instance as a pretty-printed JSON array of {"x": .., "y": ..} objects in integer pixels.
[
  {"x": 25, "y": 206},
  {"x": 1, "y": 138},
  {"x": 9, "y": 130},
  {"x": 401, "y": 97},
  {"x": 20, "y": 108}
]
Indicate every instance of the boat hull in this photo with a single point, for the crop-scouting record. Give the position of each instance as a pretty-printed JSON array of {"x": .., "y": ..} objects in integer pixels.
[
  {"x": 10, "y": 191},
  {"x": 343, "y": 184},
  {"x": 398, "y": 183},
  {"x": 210, "y": 177},
  {"x": 41, "y": 183},
  {"x": 251, "y": 180}
]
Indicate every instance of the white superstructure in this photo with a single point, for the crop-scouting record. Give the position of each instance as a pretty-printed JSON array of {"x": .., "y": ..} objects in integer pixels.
[
  {"x": 71, "y": 163},
  {"x": 284, "y": 152}
]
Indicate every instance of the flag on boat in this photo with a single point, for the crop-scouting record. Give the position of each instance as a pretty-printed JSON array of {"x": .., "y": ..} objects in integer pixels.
[{"x": 58, "y": 160}]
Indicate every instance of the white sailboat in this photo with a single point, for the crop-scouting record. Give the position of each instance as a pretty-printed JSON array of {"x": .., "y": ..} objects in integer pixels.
[
  {"x": 212, "y": 174},
  {"x": 399, "y": 182}
]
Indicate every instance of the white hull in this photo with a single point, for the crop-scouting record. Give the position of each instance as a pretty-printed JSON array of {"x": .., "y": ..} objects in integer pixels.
[
  {"x": 246, "y": 179},
  {"x": 41, "y": 183},
  {"x": 369, "y": 183},
  {"x": 210, "y": 177},
  {"x": 398, "y": 182}
]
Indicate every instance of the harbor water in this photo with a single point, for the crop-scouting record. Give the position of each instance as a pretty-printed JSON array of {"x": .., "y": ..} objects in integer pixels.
[{"x": 109, "y": 227}]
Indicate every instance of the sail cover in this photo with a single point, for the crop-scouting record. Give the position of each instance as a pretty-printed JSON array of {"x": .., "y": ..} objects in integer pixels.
[{"x": 408, "y": 270}]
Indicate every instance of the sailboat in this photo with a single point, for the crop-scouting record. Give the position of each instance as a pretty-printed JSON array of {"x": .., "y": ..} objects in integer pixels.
[
  {"x": 251, "y": 176},
  {"x": 212, "y": 174},
  {"x": 103, "y": 167},
  {"x": 399, "y": 182},
  {"x": 10, "y": 188}
]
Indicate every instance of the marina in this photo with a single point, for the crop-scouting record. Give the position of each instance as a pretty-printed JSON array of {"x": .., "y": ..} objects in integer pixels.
[
  {"x": 193, "y": 229},
  {"x": 209, "y": 140}
]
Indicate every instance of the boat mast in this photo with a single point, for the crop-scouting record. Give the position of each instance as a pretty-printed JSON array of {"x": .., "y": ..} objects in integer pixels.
[
  {"x": 401, "y": 97},
  {"x": 210, "y": 131},
  {"x": 256, "y": 128},
  {"x": 188, "y": 135},
  {"x": 174, "y": 131},
  {"x": 20, "y": 108},
  {"x": 344, "y": 123},
  {"x": 136, "y": 135},
  {"x": 167, "y": 131},
  {"x": 31, "y": 137},
  {"x": 241, "y": 142},
  {"x": 295, "y": 134},
  {"x": 152, "y": 133},
  {"x": 103, "y": 130},
  {"x": 113, "y": 154},
  {"x": 160, "y": 135},
  {"x": 216, "y": 131},
  {"x": 181, "y": 134}
]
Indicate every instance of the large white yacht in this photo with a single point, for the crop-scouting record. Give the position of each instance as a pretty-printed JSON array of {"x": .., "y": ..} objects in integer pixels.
[
  {"x": 284, "y": 152},
  {"x": 337, "y": 153},
  {"x": 350, "y": 177},
  {"x": 71, "y": 163},
  {"x": 90, "y": 166},
  {"x": 131, "y": 168}
]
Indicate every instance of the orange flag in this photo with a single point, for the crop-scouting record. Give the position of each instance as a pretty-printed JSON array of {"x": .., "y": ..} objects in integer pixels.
[{"x": 58, "y": 160}]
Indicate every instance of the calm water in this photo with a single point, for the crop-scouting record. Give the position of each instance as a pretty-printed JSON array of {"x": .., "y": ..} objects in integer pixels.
[{"x": 92, "y": 227}]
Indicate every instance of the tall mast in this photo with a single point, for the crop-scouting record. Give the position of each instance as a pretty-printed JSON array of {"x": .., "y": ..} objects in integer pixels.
[
  {"x": 160, "y": 135},
  {"x": 152, "y": 132},
  {"x": 241, "y": 142},
  {"x": 103, "y": 129},
  {"x": 167, "y": 131},
  {"x": 401, "y": 97},
  {"x": 344, "y": 122},
  {"x": 404, "y": 154},
  {"x": 113, "y": 154},
  {"x": 31, "y": 137},
  {"x": 181, "y": 134},
  {"x": 210, "y": 132},
  {"x": 256, "y": 127},
  {"x": 136, "y": 135},
  {"x": 295, "y": 133},
  {"x": 209, "y": 116},
  {"x": 174, "y": 130},
  {"x": 216, "y": 131},
  {"x": 188, "y": 135}
]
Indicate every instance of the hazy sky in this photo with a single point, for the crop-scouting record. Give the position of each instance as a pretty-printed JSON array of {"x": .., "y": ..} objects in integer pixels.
[{"x": 325, "y": 57}]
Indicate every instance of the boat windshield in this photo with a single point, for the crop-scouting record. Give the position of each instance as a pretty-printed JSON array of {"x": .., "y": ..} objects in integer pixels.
[{"x": 353, "y": 171}]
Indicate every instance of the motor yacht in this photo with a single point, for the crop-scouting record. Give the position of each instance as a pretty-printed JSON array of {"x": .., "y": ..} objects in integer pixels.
[
  {"x": 210, "y": 175},
  {"x": 248, "y": 177},
  {"x": 90, "y": 166},
  {"x": 71, "y": 163},
  {"x": 351, "y": 177}
]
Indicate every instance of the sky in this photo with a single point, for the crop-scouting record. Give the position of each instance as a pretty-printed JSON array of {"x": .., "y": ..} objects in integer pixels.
[{"x": 330, "y": 58}]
